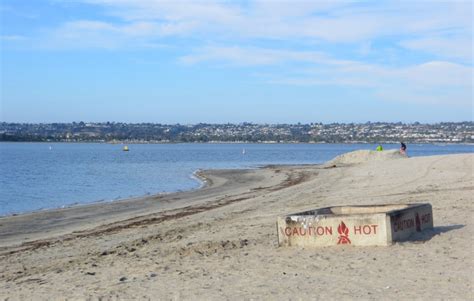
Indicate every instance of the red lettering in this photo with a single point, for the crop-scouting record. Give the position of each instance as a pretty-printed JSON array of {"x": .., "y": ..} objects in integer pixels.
[
  {"x": 357, "y": 229},
  {"x": 328, "y": 230},
  {"x": 309, "y": 231},
  {"x": 320, "y": 230},
  {"x": 375, "y": 228},
  {"x": 366, "y": 229}
]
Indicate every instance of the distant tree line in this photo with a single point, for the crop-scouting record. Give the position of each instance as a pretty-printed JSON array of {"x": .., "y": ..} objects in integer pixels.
[{"x": 370, "y": 132}]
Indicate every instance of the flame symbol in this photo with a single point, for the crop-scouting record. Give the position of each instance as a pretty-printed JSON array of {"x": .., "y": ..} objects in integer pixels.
[
  {"x": 344, "y": 234},
  {"x": 342, "y": 229}
]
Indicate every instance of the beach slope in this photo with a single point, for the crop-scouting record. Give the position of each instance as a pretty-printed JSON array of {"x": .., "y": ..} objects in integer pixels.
[{"x": 220, "y": 242}]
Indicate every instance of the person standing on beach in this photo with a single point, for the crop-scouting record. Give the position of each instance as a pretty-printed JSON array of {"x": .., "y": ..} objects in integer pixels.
[{"x": 403, "y": 148}]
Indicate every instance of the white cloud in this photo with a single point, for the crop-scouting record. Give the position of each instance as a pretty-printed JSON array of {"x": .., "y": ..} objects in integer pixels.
[
  {"x": 430, "y": 82},
  {"x": 338, "y": 21},
  {"x": 459, "y": 47},
  {"x": 85, "y": 34},
  {"x": 198, "y": 12},
  {"x": 438, "y": 73},
  {"x": 12, "y": 38},
  {"x": 251, "y": 56},
  {"x": 413, "y": 94},
  {"x": 434, "y": 82},
  {"x": 442, "y": 29}
]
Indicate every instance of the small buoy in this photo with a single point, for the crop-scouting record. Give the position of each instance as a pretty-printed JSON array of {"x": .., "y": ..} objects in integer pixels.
[{"x": 125, "y": 148}]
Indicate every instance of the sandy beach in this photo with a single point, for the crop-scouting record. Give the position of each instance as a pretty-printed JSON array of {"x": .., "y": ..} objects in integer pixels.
[{"x": 220, "y": 242}]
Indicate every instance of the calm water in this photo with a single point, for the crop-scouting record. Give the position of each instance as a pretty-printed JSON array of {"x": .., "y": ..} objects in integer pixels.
[{"x": 38, "y": 175}]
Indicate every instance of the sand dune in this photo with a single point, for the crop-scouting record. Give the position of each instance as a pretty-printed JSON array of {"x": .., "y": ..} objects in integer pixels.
[
  {"x": 221, "y": 242},
  {"x": 362, "y": 156}
]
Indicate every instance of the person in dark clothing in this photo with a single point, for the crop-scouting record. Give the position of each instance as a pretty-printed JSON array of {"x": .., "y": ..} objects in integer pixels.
[{"x": 403, "y": 148}]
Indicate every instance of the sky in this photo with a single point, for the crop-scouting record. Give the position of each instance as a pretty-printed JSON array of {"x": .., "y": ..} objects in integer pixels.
[{"x": 236, "y": 61}]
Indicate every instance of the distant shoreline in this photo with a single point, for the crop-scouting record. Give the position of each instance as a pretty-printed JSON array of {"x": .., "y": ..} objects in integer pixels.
[
  {"x": 238, "y": 142},
  {"x": 315, "y": 132}
]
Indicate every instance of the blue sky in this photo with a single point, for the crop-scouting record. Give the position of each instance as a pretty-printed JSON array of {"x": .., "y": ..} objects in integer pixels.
[{"x": 236, "y": 61}]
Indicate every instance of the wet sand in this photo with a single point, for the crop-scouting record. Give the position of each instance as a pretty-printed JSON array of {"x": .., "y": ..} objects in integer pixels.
[
  {"x": 220, "y": 242},
  {"x": 220, "y": 187}
]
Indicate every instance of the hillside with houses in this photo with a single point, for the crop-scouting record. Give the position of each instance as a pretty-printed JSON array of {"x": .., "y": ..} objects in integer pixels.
[{"x": 116, "y": 132}]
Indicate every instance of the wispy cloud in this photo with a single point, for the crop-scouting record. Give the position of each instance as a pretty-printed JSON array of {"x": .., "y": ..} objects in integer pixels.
[
  {"x": 326, "y": 42},
  {"x": 334, "y": 22},
  {"x": 251, "y": 56},
  {"x": 320, "y": 21},
  {"x": 12, "y": 38},
  {"x": 434, "y": 82},
  {"x": 456, "y": 47},
  {"x": 86, "y": 34}
]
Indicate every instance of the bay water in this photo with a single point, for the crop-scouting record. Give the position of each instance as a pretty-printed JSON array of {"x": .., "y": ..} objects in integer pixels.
[{"x": 35, "y": 176}]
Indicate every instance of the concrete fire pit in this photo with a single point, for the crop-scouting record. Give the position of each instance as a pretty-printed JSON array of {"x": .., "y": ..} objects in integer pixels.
[{"x": 378, "y": 225}]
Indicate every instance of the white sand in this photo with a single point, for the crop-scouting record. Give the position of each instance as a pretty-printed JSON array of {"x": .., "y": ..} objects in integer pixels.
[
  {"x": 224, "y": 246},
  {"x": 361, "y": 156}
]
